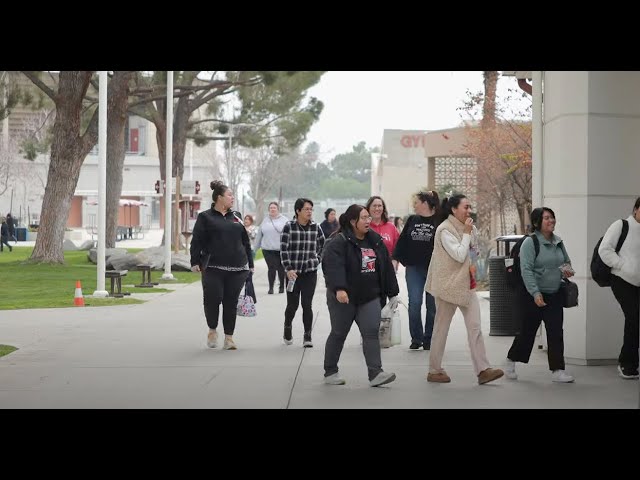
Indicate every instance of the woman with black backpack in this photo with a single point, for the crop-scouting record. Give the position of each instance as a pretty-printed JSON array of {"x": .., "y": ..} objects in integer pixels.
[
  {"x": 625, "y": 284},
  {"x": 543, "y": 268}
]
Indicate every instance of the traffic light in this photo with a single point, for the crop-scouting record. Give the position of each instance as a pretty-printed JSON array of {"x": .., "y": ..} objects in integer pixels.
[
  {"x": 157, "y": 186},
  {"x": 197, "y": 187}
]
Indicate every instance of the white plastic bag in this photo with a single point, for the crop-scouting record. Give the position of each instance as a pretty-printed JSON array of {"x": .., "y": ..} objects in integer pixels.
[
  {"x": 396, "y": 328},
  {"x": 385, "y": 333}
]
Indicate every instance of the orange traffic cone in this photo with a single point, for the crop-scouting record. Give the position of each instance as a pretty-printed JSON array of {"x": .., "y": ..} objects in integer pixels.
[{"x": 78, "y": 301}]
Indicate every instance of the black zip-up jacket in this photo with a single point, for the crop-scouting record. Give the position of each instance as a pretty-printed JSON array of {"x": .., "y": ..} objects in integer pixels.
[
  {"x": 220, "y": 240},
  {"x": 342, "y": 264}
]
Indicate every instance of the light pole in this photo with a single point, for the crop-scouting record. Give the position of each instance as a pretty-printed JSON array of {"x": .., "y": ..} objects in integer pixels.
[
  {"x": 168, "y": 172},
  {"x": 102, "y": 185}
]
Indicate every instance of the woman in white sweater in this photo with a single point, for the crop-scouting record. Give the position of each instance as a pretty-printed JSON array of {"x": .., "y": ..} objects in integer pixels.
[
  {"x": 625, "y": 284},
  {"x": 451, "y": 280}
]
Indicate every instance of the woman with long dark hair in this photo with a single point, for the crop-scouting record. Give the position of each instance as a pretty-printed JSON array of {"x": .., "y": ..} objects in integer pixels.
[
  {"x": 413, "y": 250},
  {"x": 451, "y": 281},
  {"x": 221, "y": 250},
  {"x": 330, "y": 224},
  {"x": 359, "y": 277}
]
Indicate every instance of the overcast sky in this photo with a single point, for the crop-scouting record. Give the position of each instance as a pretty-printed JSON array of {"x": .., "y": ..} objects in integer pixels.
[{"x": 360, "y": 105}]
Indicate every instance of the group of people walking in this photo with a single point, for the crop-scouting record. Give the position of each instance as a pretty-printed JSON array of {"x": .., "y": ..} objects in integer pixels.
[{"x": 359, "y": 253}]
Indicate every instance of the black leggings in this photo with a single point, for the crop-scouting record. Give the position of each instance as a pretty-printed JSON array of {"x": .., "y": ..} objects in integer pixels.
[
  {"x": 553, "y": 316},
  {"x": 221, "y": 286},
  {"x": 628, "y": 297},
  {"x": 274, "y": 264},
  {"x": 304, "y": 287}
]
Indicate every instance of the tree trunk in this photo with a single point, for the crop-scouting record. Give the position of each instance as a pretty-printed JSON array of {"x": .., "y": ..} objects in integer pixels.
[
  {"x": 180, "y": 131},
  {"x": 489, "y": 104},
  {"x": 161, "y": 140},
  {"x": 117, "y": 119},
  {"x": 68, "y": 150}
]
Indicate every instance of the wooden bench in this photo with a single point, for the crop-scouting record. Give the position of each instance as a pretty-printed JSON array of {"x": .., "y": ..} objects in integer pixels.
[
  {"x": 116, "y": 281},
  {"x": 146, "y": 276}
]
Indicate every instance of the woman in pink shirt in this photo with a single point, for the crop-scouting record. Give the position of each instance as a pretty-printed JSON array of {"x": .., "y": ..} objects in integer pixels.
[{"x": 382, "y": 226}]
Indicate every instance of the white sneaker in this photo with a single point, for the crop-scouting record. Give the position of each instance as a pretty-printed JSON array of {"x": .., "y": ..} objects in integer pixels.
[
  {"x": 212, "y": 339},
  {"x": 287, "y": 342},
  {"x": 382, "y": 379},
  {"x": 510, "y": 369},
  {"x": 334, "y": 379},
  {"x": 229, "y": 344},
  {"x": 561, "y": 376}
]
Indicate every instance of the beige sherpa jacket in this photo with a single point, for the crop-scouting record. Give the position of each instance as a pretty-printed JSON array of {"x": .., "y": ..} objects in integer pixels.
[{"x": 448, "y": 278}]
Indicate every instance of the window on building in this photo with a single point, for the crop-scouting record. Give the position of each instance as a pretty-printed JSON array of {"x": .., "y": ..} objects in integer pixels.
[{"x": 135, "y": 138}]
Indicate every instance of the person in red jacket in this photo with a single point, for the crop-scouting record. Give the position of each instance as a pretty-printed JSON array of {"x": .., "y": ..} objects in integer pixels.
[{"x": 382, "y": 226}]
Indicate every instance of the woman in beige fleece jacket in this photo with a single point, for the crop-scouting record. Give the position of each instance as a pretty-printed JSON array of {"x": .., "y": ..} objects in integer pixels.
[{"x": 451, "y": 280}]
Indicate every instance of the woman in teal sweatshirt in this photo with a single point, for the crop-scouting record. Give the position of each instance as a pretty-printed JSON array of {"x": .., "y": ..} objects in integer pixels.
[{"x": 542, "y": 275}]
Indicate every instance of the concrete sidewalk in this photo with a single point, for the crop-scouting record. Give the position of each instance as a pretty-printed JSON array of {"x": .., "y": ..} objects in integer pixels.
[{"x": 154, "y": 356}]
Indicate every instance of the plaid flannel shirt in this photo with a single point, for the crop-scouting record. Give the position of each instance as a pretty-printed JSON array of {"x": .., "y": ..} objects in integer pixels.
[{"x": 300, "y": 248}]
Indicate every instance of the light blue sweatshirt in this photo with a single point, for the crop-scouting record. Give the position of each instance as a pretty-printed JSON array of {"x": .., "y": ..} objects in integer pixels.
[{"x": 542, "y": 274}]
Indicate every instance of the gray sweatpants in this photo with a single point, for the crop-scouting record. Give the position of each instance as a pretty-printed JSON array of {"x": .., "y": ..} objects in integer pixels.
[{"x": 367, "y": 317}]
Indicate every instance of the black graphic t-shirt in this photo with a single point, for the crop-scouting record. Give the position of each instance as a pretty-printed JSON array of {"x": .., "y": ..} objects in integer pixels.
[
  {"x": 415, "y": 245},
  {"x": 368, "y": 288}
]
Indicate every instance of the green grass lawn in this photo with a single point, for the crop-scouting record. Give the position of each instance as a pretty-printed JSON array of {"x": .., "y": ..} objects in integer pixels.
[
  {"x": 6, "y": 350},
  {"x": 45, "y": 286}
]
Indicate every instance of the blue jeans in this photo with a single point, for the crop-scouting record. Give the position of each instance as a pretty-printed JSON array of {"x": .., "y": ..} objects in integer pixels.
[{"x": 416, "y": 278}]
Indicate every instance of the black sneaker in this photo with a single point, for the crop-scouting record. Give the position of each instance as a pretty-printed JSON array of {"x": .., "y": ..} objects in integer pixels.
[
  {"x": 288, "y": 338},
  {"x": 426, "y": 346},
  {"x": 270, "y": 292},
  {"x": 307, "y": 343},
  {"x": 628, "y": 372},
  {"x": 281, "y": 289},
  {"x": 415, "y": 346}
]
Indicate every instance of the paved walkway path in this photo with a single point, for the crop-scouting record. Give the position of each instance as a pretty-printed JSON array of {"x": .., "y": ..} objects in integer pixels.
[{"x": 154, "y": 356}]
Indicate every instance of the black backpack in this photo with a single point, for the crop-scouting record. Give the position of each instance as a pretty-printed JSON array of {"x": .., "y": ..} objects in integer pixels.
[
  {"x": 513, "y": 272},
  {"x": 600, "y": 271}
]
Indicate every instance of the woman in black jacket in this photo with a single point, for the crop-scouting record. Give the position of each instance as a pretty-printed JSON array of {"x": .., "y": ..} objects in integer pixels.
[
  {"x": 221, "y": 250},
  {"x": 359, "y": 277}
]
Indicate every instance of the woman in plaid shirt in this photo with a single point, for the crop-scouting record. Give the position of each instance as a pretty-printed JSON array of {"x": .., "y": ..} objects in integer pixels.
[{"x": 301, "y": 244}]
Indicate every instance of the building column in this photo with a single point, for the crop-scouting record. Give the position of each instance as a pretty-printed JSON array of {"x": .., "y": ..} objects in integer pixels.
[{"x": 590, "y": 176}]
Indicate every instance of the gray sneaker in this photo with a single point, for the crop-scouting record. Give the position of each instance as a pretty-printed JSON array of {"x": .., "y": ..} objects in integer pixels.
[
  {"x": 334, "y": 379},
  {"x": 382, "y": 379}
]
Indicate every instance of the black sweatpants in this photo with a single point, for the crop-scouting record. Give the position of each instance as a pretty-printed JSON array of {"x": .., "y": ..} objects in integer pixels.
[
  {"x": 553, "y": 316},
  {"x": 628, "y": 297},
  {"x": 305, "y": 286},
  {"x": 274, "y": 264},
  {"x": 221, "y": 286}
]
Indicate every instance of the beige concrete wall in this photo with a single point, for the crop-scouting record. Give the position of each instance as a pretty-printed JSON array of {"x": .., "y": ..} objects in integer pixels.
[{"x": 590, "y": 178}]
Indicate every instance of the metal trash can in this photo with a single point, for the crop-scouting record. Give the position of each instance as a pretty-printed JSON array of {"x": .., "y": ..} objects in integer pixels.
[
  {"x": 21, "y": 234},
  {"x": 502, "y": 300}
]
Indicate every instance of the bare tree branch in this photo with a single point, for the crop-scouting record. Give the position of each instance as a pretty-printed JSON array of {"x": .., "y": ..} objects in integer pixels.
[{"x": 40, "y": 84}]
